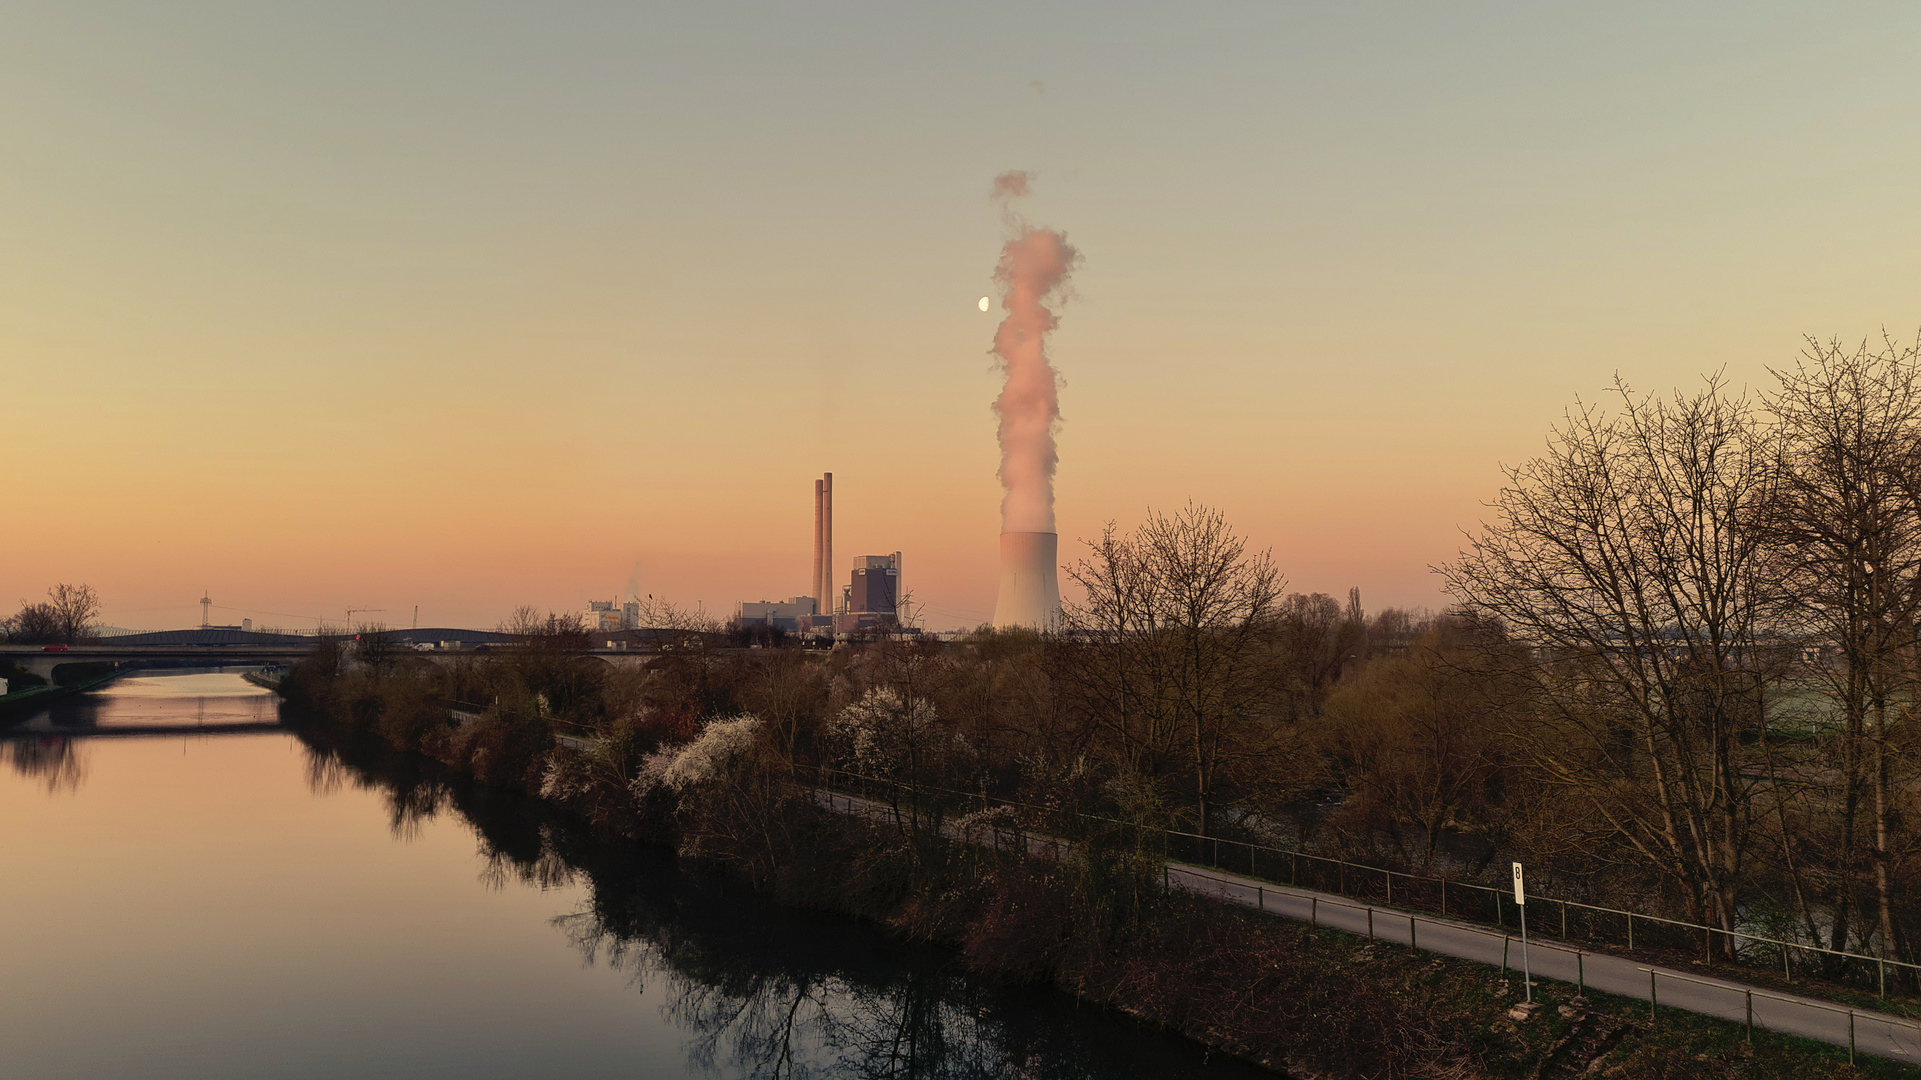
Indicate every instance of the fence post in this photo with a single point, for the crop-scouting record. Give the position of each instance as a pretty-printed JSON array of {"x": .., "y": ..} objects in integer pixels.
[
  {"x": 1882, "y": 965},
  {"x": 1444, "y": 898},
  {"x": 1260, "y": 897},
  {"x": 1390, "y": 885},
  {"x": 1504, "y": 943},
  {"x": 1411, "y": 946},
  {"x": 1314, "y": 911},
  {"x": 1850, "y": 1036},
  {"x": 1166, "y": 886},
  {"x": 1651, "y": 991},
  {"x": 1750, "y": 994},
  {"x": 1294, "y": 868},
  {"x": 1564, "y": 920},
  {"x": 1786, "y": 972},
  {"x": 1341, "y": 878},
  {"x": 1630, "y": 916},
  {"x": 1580, "y": 973},
  {"x": 1370, "y": 923}
]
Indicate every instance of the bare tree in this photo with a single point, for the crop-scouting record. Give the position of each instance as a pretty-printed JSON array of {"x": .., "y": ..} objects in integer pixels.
[
  {"x": 677, "y": 627},
  {"x": 1319, "y": 640},
  {"x": 1622, "y": 559},
  {"x": 1110, "y": 660},
  {"x": 75, "y": 607},
  {"x": 1413, "y": 738},
  {"x": 1177, "y": 655},
  {"x": 66, "y": 617},
  {"x": 1845, "y": 565},
  {"x": 34, "y": 624},
  {"x": 376, "y": 646}
]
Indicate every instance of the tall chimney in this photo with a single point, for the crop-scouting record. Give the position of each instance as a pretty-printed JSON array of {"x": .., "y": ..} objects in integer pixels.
[
  {"x": 827, "y": 593},
  {"x": 900, "y": 588},
  {"x": 820, "y": 602},
  {"x": 1030, "y": 594}
]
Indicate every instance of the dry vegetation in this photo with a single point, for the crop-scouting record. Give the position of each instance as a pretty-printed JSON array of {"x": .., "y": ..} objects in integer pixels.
[{"x": 1679, "y": 679}]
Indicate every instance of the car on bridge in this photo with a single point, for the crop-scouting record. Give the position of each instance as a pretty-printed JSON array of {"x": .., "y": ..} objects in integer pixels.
[{"x": 54, "y": 648}]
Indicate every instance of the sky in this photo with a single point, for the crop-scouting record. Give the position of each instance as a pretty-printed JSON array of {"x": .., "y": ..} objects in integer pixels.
[{"x": 463, "y": 306}]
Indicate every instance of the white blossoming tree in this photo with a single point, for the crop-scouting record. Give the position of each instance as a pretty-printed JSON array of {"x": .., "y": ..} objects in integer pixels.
[
  {"x": 733, "y": 804},
  {"x": 900, "y": 749},
  {"x": 714, "y": 755}
]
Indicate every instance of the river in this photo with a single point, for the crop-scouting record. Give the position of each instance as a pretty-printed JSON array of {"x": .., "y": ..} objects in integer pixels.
[{"x": 287, "y": 903}]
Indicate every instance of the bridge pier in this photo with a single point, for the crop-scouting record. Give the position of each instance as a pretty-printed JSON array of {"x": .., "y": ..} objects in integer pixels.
[{"x": 41, "y": 665}]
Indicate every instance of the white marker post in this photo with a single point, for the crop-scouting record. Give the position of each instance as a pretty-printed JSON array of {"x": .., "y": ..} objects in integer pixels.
[{"x": 1520, "y": 901}]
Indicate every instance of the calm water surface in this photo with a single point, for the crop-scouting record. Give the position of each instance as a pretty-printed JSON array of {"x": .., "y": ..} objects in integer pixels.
[{"x": 270, "y": 904}]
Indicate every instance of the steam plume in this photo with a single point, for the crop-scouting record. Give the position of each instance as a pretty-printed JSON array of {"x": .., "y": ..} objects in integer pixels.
[
  {"x": 1033, "y": 270},
  {"x": 1010, "y": 185}
]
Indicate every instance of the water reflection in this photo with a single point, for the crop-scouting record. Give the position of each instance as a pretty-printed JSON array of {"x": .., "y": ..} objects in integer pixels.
[
  {"x": 210, "y": 700},
  {"x": 755, "y": 989},
  {"x": 172, "y": 699},
  {"x": 54, "y": 760}
]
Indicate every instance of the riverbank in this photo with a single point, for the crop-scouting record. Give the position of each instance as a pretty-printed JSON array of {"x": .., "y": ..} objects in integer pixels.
[
  {"x": 1097, "y": 923},
  {"x": 21, "y": 704},
  {"x": 315, "y": 904}
]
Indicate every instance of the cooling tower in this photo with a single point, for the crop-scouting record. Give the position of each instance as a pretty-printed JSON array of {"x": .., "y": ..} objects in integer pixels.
[{"x": 1030, "y": 581}]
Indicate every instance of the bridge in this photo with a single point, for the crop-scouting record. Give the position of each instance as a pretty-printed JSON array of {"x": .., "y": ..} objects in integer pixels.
[
  {"x": 39, "y": 661},
  {"x": 139, "y": 731},
  {"x": 216, "y": 647}
]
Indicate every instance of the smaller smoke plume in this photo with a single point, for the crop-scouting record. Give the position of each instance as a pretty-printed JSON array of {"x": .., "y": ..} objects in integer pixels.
[
  {"x": 1033, "y": 270},
  {"x": 1010, "y": 185}
]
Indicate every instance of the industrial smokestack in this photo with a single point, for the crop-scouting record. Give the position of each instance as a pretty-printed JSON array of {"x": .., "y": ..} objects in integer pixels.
[
  {"x": 1034, "y": 268},
  {"x": 1030, "y": 594},
  {"x": 827, "y": 591},
  {"x": 820, "y": 601}
]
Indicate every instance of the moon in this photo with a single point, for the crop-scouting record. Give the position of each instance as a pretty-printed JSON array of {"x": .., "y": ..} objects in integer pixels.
[{"x": 984, "y": 303}]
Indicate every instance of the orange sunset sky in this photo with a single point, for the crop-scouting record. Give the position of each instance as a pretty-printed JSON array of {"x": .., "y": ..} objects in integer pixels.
[{"x": 466, "y": 306}]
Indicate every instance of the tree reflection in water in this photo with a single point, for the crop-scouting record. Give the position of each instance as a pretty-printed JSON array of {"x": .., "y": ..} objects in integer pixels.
[
  {"x": 54, "y": 760},
  {"x": 760, "y": 990}
]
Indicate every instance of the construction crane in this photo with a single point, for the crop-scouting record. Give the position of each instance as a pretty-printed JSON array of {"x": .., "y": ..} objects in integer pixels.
[{"x": 355, "y": 610}]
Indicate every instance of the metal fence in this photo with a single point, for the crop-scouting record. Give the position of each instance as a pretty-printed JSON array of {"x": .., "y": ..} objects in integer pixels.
[
  {"x": 1574, "y": 921},
  {"x": 1591, "y": 923},
  {"x": 1888, "y": 1027},
  {"x": 1892, "y": 1037}
]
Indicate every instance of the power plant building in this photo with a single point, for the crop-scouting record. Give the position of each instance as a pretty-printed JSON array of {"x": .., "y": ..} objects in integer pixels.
[
  {"x": 872, "y": 595},
  {"x": 871, "y": 598},
  {"x": 793, "y": 613},
  {"x": 611, "y": 615},
  {"x": 876, "y": 584}
]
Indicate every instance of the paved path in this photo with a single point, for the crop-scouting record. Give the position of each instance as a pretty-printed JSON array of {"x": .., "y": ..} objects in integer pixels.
[
  {"x": 1872, "y": 1032},
  {"x": 1869, "y": 1032}
]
